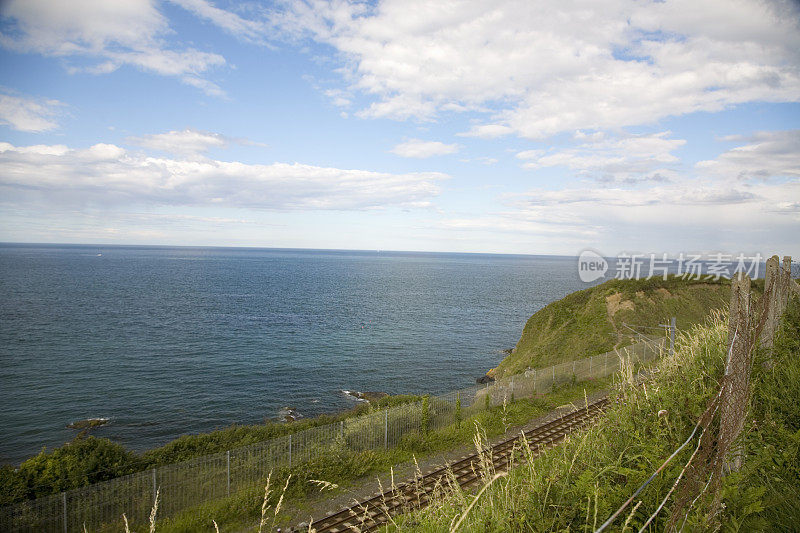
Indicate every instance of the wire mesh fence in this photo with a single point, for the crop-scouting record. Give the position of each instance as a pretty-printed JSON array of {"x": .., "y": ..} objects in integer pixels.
[
  {"x": 543, "y": 380},
  {"x": 184, "y": 485}
]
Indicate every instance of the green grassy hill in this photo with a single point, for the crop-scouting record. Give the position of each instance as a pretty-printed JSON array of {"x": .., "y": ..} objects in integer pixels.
[
  {"x": 577, "y": 485},
  {"x": 591, "y": 321}
]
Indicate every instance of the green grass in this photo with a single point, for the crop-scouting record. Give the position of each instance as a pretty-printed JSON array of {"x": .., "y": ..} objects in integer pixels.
[
  {"x": 87, "y": 459},
  {"x": 576, "y": 486},
  {"x": 765, "y": 494},
  {"x": 343, "y": 467},
  {"x": 190, "y": 446},
  {"x": 579, "y": 325}
]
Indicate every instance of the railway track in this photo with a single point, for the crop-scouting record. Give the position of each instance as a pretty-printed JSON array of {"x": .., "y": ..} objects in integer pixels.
[{"x": 369, "y": 515}]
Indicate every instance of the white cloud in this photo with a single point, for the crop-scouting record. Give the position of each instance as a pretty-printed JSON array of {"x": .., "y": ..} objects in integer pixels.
[
  {"x": 665, "y": 218},
  {"x": 122, "y": 32},
  {"x": 760, "y": 211},
  {"x": 108, "y": 175},
  {"x": 339, "y": 98},
  {"x": 188, "y": 141},
  {"x": 668, "y": 196},
  {"x": 248, "y": 30},
  {"x": 549, "y": 68},
  {"x": 768, "y": 154},
  {"x": 24, "y": 113},
  {"x": 487, "y": 131},
  {"x": 422, "y": 149},
  {"x": 631, "y": 158}
]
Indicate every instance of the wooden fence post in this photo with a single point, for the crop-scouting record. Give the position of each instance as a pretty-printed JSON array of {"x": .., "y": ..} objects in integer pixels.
[
  {"x": 737, "y": 368},
  {"x": 772, "y": 282}
]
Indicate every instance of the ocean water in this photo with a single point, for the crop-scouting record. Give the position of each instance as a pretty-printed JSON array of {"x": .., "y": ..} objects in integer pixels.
[{"x": 169, "y": 341}]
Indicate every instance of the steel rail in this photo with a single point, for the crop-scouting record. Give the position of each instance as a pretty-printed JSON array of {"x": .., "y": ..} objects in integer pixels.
[{"x": 372, "y": 513}]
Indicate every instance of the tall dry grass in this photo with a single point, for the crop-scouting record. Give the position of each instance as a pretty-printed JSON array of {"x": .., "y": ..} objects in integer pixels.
[{"x": 578, "y": 484}]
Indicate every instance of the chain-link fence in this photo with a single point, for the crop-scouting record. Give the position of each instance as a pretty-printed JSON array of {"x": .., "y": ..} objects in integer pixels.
[
  {"x": 543, "y": 380},
  {"x": 187, "y": 484}
]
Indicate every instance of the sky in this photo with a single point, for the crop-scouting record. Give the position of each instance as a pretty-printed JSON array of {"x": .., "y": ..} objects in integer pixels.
[{"x": 500, "y": 126}]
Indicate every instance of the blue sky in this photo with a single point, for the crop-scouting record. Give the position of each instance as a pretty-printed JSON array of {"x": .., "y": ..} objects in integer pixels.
[{"x": 502, "y": 126}]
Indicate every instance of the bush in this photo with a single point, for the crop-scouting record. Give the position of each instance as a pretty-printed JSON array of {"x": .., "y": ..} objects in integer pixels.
[
  {"x": 88, "y": 459},
  {"x": 82, "y": 461},
  {"x": 426, "y": 415}
]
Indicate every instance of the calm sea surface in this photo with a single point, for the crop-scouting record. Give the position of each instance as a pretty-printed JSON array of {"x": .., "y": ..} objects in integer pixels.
[{"x": 169, "y": 341}]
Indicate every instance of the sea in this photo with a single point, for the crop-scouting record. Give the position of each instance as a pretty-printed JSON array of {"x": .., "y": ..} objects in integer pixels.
[{"x": 167, "y": 341}]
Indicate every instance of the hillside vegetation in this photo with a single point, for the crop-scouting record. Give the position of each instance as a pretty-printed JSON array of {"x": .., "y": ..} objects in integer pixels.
[
  {"x": 576, "y": 486},
  {"x": 592, "y": 321},
  {"x": 86, "y": 459}
]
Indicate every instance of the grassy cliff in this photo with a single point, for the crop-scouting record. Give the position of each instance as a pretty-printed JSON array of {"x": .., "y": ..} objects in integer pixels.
[
  {"x": 592, "y": 321},
  {"x": 576, "y": 486}
]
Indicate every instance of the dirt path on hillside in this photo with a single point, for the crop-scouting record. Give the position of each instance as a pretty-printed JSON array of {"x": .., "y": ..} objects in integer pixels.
[{"x": 614, "y": 303}]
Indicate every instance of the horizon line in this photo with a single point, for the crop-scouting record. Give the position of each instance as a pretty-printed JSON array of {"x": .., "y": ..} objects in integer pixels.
[{"x": 298, "y": 249}]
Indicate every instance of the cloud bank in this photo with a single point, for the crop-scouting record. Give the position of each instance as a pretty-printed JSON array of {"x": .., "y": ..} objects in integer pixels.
[
  {"x": 626, "y": 159},
  {"x": 767, "y": 155},
  {"x": 100, "y": 37},
  {"x": 106, "y": 174},
  {"x": 539, "y": 69}
]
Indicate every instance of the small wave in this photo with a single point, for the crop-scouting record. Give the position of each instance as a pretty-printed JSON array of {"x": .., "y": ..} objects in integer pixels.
[{"x": 355, "y": 395}]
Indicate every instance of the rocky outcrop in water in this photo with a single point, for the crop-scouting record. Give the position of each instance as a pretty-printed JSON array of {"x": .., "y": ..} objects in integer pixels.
[
  {"x": 367, "y": 396},
  {"x": 88, "y": 423},
  {"x": 289, "y": 414}
]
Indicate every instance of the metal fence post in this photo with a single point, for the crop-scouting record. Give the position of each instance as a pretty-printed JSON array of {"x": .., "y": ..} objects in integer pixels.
[
  {"x": 64, "y": 506},
  {"x": 155, "y": 488},
  {"x": 290, "y": 450},
  {"x": 672, "y": 336},
  {"x": 590, "y": 366},
  {"x": 228, "y": 456},
  {"x": 573, "y": 369},
  {"x": 386, "y": 428}
]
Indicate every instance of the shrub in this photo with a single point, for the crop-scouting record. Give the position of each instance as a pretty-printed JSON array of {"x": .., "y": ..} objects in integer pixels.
[
  {"x": 82, "y": 461},
  {"x": 426, "y": 415}
]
